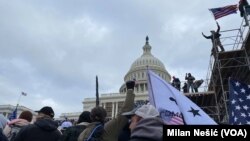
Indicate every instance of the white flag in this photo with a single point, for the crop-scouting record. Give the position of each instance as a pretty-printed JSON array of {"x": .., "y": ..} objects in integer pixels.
[{"x": 174, "y": 106}]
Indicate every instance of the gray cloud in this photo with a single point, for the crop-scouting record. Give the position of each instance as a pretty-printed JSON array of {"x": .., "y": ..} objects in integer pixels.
[{"x": 54, "y": 49}]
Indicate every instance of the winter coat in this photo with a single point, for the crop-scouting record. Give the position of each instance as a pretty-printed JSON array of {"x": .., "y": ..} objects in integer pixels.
[
  {"x": 2, "y": 136},
  {"x": 42, "y": 130},
  {"x": 93, "y": 132},
  {"x": 17, "y": 123},
  {"x": 72, "y": 133},
  {"x": 114, "y": 127}
]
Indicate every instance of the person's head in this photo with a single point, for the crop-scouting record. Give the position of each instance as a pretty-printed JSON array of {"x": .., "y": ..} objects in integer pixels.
[
  {"x": 98, "y": 114},
  {"x": 189, "y": 74},
  {"x": 27, "y": 115},
  {"x": 212, "y": 31},
  {"x": 84, "y": 117},
  {"x": 173, "y": 77},
  {"x": 145, "y": 111},
  {"x": 46, "y": 112}
]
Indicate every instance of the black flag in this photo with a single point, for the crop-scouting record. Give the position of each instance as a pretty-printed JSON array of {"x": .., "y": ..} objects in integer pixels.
[{"x": 97, "y": 93}]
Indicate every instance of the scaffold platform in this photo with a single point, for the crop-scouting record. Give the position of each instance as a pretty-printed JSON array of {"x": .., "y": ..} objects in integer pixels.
[{"x": 231, "y": 63}]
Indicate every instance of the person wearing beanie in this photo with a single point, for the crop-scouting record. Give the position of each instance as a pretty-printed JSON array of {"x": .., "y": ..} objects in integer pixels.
[
  {"x": 13, "y": 127},
  {"x": 44, "y": 128},
  {"x": 145, "y": 124},
  {"x": 72, "y": 133}
]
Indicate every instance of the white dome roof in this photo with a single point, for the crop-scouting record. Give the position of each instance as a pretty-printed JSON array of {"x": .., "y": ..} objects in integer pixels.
[
  {"x": 138, "y": 69},
  {"x": 147, "y": 60}
]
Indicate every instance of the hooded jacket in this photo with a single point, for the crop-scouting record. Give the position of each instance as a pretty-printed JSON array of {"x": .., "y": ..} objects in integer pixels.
[
  {"x": 42, "y": 130},
  {"x": 18, "y": 123},
  {"x": 148, "y": 129}
]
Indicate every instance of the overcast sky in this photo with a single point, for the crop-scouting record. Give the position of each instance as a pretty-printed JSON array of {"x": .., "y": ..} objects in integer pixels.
[{"x": 52, "y": 50}]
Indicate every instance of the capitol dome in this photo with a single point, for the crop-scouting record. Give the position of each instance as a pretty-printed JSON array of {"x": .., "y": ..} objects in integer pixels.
[{"x": 138, "y": 70}]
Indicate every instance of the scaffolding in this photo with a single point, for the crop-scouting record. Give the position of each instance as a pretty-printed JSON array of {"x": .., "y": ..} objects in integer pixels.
[{"x": 234, "y": 62}]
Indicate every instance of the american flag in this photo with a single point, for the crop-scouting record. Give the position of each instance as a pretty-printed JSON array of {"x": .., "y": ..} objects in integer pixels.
[
  {"x": 224, "y": 11},
  {"x": 170, "y": 117},
  {"x": 13, "y": 115},
  {"x": 239, "y": 98}
]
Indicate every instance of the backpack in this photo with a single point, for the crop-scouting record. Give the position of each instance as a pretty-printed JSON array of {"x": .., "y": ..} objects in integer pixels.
[
  {"x": 14, "y": 130},
  {"x": 72, "y": 133},
  {"x": 96, "y": 133}
]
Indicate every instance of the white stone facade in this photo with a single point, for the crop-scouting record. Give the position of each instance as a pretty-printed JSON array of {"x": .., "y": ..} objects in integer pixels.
[
  {"x": 7, "y": 110},
  {"x": 71, "y": 116}
]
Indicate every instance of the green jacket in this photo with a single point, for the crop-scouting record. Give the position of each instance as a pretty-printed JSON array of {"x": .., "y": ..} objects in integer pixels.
[
  {"x": 88, "y": 130},
  {"x": 113, "y": 127}
]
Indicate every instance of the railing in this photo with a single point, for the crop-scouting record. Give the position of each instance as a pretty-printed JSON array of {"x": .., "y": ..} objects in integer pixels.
[{"x": 232, "y": 39}]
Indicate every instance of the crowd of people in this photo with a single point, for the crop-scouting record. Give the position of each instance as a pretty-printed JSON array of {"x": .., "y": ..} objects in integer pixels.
[
  {"x": 133, "y": 123},
  {"x": 190, "y": 83}
]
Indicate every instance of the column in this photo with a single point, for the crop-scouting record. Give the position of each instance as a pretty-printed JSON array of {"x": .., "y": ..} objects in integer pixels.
[
  {"x": 113, "y": 109},
  {"x": 116, "y": 108}
]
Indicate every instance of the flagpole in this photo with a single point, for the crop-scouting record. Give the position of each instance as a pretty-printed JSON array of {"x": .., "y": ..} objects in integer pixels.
[
  {"x": 15, "y": 110},
  {"x": 22, "y": 94},
  {"x": 18, "y": 100},
  {"x": 97, "y": 92},
  {"x": 150, "y": 83}
]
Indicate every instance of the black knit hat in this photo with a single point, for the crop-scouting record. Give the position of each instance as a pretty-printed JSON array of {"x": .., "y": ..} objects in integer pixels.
[{"x": 47, "y": 111}]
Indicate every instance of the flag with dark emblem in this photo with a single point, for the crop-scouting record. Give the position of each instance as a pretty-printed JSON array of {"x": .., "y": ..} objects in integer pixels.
[{"x": 174, "y": 107}]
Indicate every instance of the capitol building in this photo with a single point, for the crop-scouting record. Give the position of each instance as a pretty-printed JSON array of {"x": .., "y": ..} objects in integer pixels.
[{"x": 113, "y": 102}]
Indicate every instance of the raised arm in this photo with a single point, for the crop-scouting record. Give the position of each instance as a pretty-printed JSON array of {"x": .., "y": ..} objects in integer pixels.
[
  {"x": 218, "y": 27},
  {"x": 207, "y": 37},
  {"x": 113, "y": 127}
]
